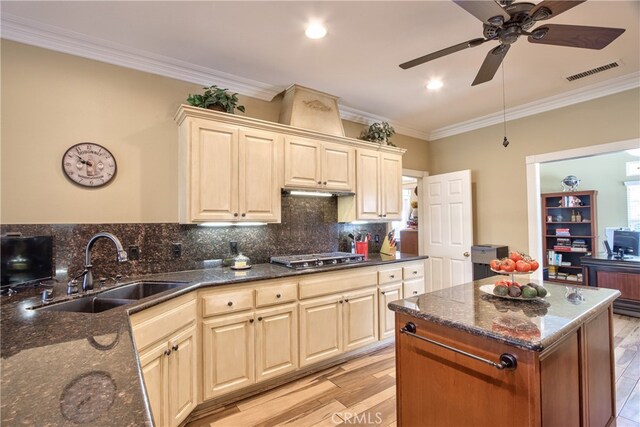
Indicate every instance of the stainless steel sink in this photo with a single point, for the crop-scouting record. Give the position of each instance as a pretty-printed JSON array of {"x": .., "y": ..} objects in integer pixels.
[
  {"x": 139, "y": 290},
  {"x": 112, "y": 298}
]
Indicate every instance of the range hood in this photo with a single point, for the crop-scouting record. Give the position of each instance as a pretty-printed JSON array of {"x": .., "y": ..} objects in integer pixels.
[
  {"x": 309, "y": 192},
  {"x": 310, "y": 109}
]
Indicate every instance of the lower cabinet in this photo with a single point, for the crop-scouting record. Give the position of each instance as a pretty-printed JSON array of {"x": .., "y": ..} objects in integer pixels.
[
  {"x": 337, "y": 323},
  {"x": 241, "y": 349},
  {"x": 170, "y": 376},
  {"x": 387, "y": 294}
]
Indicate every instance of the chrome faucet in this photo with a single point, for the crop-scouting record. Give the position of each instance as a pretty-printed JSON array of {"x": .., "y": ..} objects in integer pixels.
[{"x": 87, "y": 282}]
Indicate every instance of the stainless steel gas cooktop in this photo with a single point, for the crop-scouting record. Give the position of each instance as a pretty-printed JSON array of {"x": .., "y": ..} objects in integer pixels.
[{"x": 316, "y": 260}]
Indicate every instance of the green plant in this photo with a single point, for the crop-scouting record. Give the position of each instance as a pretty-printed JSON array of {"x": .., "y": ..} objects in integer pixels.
[
  {"x": 378, "y": 132},
  {"x": 215, "y": 98}
]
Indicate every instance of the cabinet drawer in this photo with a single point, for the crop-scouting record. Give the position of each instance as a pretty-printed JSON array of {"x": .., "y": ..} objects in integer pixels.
[
  {"x": 389, "y": 275},
  {"x": 276, "y": 294},
  {"x": 413, "y": 270},
  {"x": 226, "y": 302},
  {"x": 331, "y": 283},
  {"x": 413, "y": 287},
  {"x": 156, "y": 323}
]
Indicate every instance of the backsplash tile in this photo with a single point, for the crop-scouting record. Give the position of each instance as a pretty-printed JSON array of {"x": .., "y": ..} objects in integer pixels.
[{"x": 308, "y": 225}]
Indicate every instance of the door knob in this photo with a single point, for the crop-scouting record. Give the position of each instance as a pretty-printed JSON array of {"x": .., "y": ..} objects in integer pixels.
[{"x": 466, "y": 254}]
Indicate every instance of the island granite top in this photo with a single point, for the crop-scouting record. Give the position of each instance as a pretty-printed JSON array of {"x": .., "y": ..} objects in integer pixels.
[
  {"x": 529, "y": 324},
  {"x": 66, "y": 368}
]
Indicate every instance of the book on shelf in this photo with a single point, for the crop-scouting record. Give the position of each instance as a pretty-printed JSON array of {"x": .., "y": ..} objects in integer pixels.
[
  {"x": 562, "y": 248},
  {"x": 572, "y": 277},
  {"x": 566, "y": 264},
  {"x": 563, "y": 232}
]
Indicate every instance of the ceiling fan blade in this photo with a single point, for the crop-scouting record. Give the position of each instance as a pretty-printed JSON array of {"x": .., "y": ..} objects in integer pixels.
[
  {"x": 441, "y": 53},
  {"x": 575, "y": 36},
  {"x": 554, "y": 7},
  {"x": 484, "y": 10},
  {"x": 491, "y": 64}
]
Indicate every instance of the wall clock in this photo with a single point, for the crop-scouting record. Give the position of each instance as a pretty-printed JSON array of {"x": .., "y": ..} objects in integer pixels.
[{"x": 89, "y": 165}]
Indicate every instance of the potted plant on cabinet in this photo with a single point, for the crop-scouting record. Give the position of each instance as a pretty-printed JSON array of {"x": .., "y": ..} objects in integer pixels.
[
  {"x": 216, "y": 98},
  {"x": 378, "y": 132}
]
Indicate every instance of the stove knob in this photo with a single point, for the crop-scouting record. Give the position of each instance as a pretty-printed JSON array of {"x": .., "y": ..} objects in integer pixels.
[
  {"x": 306, "y": 264},
  {"x": 320, "y": 263},
  {"x": 335, "y": 261}
]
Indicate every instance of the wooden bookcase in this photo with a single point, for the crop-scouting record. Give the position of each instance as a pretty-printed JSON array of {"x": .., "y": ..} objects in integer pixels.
[{"x": 575, "y": 212}]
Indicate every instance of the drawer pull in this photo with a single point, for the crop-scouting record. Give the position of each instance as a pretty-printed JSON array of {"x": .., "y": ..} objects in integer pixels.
[
  {"x": 175, "y": 347},
  {"x": 382, "y": 292},
  {"x": 278, "y": 296},
  {"x": 346, "y": 300},
  {"x": 391, "y": 276},
  {"x": 507, "y": 361},
  {"x": 250, "y": 320},
  {"x": 230, "y": 303},
  {"x": 259, "y": 319},
  {"x": 415, "y": 292},
  {"x": 415, "y": 272},
  {"x": 341, "y": 302}
]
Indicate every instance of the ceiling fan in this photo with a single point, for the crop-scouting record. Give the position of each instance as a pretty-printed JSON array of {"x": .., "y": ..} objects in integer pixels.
[{"x": 508, "y": 22}]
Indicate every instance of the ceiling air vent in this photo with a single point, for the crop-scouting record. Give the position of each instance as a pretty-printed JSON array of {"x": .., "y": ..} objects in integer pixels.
[{"x": 592, "y": 71}]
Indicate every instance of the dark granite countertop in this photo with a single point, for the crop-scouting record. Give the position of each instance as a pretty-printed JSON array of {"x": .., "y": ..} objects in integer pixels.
[
  {"x": 66, "y": 368},
  {"x": 532, "y": 325}
]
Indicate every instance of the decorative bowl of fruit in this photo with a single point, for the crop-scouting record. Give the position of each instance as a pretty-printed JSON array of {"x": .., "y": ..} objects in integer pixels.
[{"x": 515, "y": 263}]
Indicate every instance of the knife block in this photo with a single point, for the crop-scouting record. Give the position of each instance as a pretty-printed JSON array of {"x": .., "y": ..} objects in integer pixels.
[{"x": 386, "y": 248}]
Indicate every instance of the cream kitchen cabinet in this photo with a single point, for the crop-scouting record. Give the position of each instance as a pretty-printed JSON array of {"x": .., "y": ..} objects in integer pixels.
[
  {"x": 311, "y": 164},
  {"x": 388, "y": 293},
  {"x": 334, "y": 324},
  {"x": 243, "y": 345},
  {"x": 228, "y": 173},
  {"x": 166, "y": 339},
  {"x": 378, "y": 188}
]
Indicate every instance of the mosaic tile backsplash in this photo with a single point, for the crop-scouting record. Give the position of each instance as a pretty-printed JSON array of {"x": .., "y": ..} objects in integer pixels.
[{"x": 309, "y": 225}]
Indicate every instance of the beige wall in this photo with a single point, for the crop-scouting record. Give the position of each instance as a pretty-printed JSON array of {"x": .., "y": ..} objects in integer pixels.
[
  {"x": 498, "y": 173},
  {"x": 606, "y": 174},
  {"x": 51, "y": 101}
]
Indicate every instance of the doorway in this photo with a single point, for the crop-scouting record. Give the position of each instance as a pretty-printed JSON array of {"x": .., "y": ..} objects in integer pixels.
[{"x": 410, "y": 227}]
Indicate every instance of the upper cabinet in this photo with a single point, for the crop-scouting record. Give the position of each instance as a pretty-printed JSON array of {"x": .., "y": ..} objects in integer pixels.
[
  {"x": 229, "y": 173},
  {"x": 378, "y": 188},
  {"x": 233, "y": 168},
  {"x": 312, "y": 164}
]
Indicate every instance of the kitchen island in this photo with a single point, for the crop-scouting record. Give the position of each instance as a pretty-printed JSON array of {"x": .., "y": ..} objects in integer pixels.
[
  {"x": 527, "y": 363},
  {"x": 76, "y": 368}
]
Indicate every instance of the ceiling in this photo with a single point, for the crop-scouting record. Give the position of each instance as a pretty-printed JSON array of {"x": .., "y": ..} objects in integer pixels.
[{"x": 259, "y": 49}]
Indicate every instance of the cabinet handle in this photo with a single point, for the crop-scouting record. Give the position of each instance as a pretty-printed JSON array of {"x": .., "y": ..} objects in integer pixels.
[
  {"x": 260, "y": 319},
  {"x": 175, "y": 347},
  {"x": 391, "y": 276},
  {"x": 278, "y": 295},
  {"x": 244, "y": 214},
  {"x": 385, "y": 215},
  {"x": 324, "y": 183},
  {"x": 415, "y": 272},
  {"x": 250, "y": 320},
  {"x": 346, "y": 300},
  {"x": 507, "y": 361},
  {"x": 415, "y": 292},
  {"x": 341, "y": 302},
  {"x": 319, "y": 182},
  {"x": 235, "y": 214},
  {"x": 230, "y": 303},
  {"x": 382, "y": 292},
  {"x": 167, "y": 352}
]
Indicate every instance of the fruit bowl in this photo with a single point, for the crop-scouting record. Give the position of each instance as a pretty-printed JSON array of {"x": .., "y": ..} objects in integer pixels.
[
  {"x": 511, "y": 272},
  {"x": 488, "y": 289}
]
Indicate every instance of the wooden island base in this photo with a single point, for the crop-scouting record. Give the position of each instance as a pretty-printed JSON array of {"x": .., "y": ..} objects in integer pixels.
[{"x": 569, "y": 383}]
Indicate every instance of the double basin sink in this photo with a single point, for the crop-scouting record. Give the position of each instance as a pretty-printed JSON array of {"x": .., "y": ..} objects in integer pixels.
[{"x": 112, "y": 298}]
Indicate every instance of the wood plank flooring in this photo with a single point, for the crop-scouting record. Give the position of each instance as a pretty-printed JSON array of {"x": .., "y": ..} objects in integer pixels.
[{"x": 362, "y": 392}]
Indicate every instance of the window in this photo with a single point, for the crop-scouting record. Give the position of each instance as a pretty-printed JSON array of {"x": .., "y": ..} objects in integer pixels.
[{"x": 633, "y": 204}]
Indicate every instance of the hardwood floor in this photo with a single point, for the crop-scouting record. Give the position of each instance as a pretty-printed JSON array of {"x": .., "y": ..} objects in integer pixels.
[{"x": 362, "y": 392}]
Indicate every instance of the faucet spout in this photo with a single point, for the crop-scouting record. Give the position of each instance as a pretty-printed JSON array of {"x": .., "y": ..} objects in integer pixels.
[{"x": 121, "y": 256}]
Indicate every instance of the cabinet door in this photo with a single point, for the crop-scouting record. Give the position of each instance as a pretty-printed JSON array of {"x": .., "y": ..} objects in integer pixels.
[
  {"x": 391, "y": 186},
  {"x": 228, "y": 354},
  {"x": 320, "y": 329},
  {"x": 276, "y": 341},
  {"x": 182, "y": 375},
  {"x": 213, "y": 188},
  {"x": 360, "y": 314},
  {"x": 338, "y": 167},
  {"x": 387, "y": 319},
  {"x": 367, "y": 183},
  {"x": 154, "y": 363},
  {"x": 259, "y": 179},
  {"x": 302, "y": 159}
]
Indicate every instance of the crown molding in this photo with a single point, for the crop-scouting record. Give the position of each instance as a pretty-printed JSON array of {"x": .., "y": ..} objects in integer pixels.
[
  {"x": 587, "y": 93},
  {"x": 359, "y": 116}
]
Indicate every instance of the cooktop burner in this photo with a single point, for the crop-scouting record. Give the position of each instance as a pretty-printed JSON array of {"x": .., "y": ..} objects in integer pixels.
[{"x": 316, "y": 260}]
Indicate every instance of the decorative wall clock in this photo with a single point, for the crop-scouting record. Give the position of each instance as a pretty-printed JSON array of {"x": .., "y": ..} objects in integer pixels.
[{"x": 89, "y": 165}]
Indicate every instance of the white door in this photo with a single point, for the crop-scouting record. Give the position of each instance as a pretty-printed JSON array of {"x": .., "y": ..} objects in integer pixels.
[{"x": 449, "y": 228}]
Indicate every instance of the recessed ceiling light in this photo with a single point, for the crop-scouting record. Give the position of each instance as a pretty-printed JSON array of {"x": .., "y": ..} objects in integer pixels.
[
  {"x": 315, "y": 31},
  {"x": 434, "y": 84}
]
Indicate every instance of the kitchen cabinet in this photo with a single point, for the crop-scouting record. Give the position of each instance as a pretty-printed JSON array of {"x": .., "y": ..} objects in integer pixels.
[
  {"x": 312, "y": 164},
  {"x": 387, "y": 294},
  {"x": 334, "y": 324},
  {"x": 243, "y": 345},
  {"x": 378, "y": 188},
  {"x": 168, "y": 358},
  {"x": 569, "y": 232},
  {"x": 228, "y": 173}
]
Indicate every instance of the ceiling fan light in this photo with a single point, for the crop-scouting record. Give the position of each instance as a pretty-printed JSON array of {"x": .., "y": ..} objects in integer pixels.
[
  {"x": 542, "y": 13},
  {"x": 315, "y": 31},
  {"x": 539, "y": 33},
  {"x": 496, "y": 21},
  {"x": 435, "y": 84}
]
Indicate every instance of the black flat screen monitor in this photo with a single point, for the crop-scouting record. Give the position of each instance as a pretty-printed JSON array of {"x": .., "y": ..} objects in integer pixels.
[
  {"x": 26, "y": 260},
  {"x": 627, "y": 241}
]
